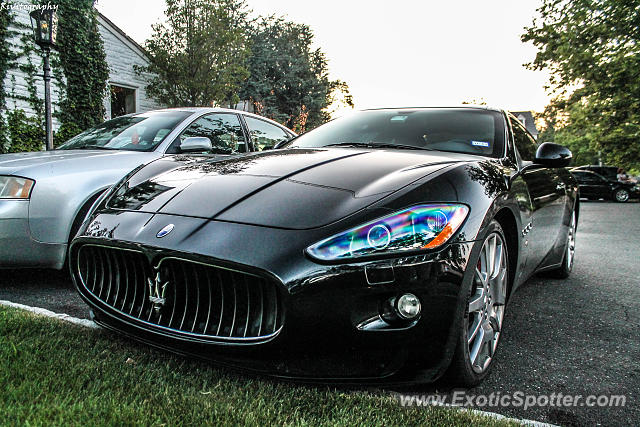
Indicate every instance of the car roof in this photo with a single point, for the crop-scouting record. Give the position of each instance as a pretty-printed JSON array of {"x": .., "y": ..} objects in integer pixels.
[{"x": 204, "y": 110}]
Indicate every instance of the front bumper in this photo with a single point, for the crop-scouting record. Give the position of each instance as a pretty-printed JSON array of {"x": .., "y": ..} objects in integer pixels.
[
  {"x": 17, "y": 247},
  {"x": 332, "y": 330}
]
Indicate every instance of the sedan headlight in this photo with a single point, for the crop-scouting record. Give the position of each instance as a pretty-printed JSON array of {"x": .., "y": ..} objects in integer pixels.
[
  {"x": 416, "y": 228},
  {"x": 13, "y": 187}
]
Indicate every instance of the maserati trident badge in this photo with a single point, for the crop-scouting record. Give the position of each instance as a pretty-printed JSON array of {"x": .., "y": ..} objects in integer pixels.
[
  {"x": 157, "y": 290},
  {"x": 165, "y": 230}
]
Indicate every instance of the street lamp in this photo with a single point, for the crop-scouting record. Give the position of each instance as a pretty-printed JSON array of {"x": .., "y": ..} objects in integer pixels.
[{"x": 44, "y": 22}]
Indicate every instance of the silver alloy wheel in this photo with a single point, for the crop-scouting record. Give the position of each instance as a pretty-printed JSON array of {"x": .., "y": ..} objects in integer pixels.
[
  {"x": 622, "y": 195},
  {"x": 486, "y": 305},
  {"x": 571, "y": 242}
]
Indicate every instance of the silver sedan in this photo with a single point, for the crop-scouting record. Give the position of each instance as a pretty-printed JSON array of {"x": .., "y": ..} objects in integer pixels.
[{"x": 44, "y": 196}]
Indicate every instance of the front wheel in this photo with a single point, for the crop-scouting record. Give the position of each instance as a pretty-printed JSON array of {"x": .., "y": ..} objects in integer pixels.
[
  {"x": 482, "y": 323},
  {"x": 621, "y": 195}
]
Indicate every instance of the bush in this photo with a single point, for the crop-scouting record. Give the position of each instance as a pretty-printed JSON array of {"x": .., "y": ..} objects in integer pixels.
[{"x": 25, "y": 133}]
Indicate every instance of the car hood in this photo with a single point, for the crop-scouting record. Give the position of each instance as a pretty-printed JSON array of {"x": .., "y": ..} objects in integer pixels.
[
  {"x": 43, "y": 163},
  {"x": 294, "y": 188}
]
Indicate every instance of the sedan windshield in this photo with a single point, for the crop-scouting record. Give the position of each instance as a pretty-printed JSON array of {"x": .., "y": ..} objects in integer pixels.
[
  {"x": 142, "y": 132},
  {"x": 461, "y": 130}
]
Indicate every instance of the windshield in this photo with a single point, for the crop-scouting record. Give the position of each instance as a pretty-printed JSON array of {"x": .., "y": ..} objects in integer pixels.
[
  {"x": 461, "y": 130},
  {"x": 142, "y": 132}
]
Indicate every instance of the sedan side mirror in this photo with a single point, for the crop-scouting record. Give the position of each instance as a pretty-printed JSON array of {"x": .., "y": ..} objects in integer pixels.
[
  {"x": 196, "y": 144},
  {"x": 553, "y": 155}
]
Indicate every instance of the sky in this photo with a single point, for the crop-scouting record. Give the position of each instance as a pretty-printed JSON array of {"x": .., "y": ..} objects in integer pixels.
[{"x": 405, "y": 53}]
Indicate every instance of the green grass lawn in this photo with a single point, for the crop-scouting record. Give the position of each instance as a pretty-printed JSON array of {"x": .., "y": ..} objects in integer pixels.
[{"x": 55, "y": 373}]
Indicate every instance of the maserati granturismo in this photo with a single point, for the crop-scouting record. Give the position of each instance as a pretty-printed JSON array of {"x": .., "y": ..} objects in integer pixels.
[{"x": 381, "y": 246}]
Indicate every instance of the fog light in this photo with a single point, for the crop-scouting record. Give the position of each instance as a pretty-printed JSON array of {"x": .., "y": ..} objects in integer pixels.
[{"x": 408, "y": 306}]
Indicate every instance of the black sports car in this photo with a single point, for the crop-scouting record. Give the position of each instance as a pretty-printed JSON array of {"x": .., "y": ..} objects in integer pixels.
[{"x": 380, "y": 246}]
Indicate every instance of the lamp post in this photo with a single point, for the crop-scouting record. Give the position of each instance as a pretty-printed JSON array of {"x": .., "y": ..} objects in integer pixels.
[{"x": 44, "y": 22}]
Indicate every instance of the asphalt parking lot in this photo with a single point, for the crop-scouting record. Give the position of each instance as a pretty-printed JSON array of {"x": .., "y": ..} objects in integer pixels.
[{"x": 579, "y": 336}]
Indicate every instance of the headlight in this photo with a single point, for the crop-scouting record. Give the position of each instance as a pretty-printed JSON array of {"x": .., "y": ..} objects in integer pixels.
[
  {"x": 13, "y": 187},
  {"x": 419, "y": 227}
]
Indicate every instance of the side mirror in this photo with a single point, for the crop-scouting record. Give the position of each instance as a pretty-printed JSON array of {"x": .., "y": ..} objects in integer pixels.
[
  {"x": 553, "y": 155},
  {"x": 196, "y": 144}
]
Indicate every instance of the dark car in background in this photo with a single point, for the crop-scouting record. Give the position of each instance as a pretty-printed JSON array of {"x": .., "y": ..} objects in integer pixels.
[
  {"x": 594, "y": 186},
  {"x": 608, "y": 172},
  {"x": 383, "y": 245}
]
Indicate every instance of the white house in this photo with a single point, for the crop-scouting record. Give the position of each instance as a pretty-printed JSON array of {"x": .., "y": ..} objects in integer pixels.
[
  {"x": 126, "y": 89},
  {"x": 125, "y": 86},
  {"x": 527, "y": 119}
]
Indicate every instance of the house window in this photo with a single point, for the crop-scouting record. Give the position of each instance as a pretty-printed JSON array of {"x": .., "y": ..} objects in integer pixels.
[
  {"x": 123, "y": 101},
  {"x": 523, "y": 120}
]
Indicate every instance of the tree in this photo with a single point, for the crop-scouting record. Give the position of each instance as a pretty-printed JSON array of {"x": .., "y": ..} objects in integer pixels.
[
  {"x": 289, "y": 80},
  {"x": 591, "y": 48},
  {"x": 197, "y": 58},
  {"x": 83, "y": 62}
]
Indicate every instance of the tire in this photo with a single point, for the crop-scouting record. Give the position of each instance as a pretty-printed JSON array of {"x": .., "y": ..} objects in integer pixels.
[
  {"x": 565, "y": 268},
  {"x": 479, "y": 330},
  {"x": 621, "y": 195},
  {"x": 77, "y": 222}
]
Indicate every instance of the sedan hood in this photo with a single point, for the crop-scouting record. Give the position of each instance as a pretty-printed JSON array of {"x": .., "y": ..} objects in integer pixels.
[
  {"x": 294, "y": 189},
  {"x": 42, "y": 163}
]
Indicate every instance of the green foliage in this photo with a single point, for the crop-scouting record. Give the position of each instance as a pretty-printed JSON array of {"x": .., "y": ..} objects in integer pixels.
[
  {"x": 5, "y": 60},
  {"x": 26, "y": 133},
  {"x": 475, "y": 101},
  {"x": 197, "y": 58},
  {"x": 591, "y": 48},
  {"x": 82, "y": 59},
  {"x": 289, "y": 81}
]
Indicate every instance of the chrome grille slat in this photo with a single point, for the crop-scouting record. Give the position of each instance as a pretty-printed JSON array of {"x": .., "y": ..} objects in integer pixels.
[
  {"x": 175, "y": 300},
  {"x": 246, "y": 325},
  {"x": 141, "y": 282},
  {"x": 126, "y": 278},
  {"x": 135, "y": 288},
  {"x": 220, "y": 282},
  {"x": 199, "y": 299},
  {"x": 116, "y": 278},
  {"x": 100, "y": 265},
  {"x": 261, "y": 312},
  {"x": 209, "y": 292},
  {"x": 185, "y": 282},
  {"x": 195, "y": 317},
  {"x": 109, "y": 275}
]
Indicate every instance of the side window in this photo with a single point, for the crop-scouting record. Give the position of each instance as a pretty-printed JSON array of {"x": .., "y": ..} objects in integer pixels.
[
  {"x": 588, "y": 177},
  {"x": 223, "y": 130},
  {"x": 265, "y": 135},
  {"x": 525, "y": 144}
]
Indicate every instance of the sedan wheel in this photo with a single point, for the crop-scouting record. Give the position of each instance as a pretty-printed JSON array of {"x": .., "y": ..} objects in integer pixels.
[
  {"x": 486, "y": 305},
  {"x": 621, "y": 195}
]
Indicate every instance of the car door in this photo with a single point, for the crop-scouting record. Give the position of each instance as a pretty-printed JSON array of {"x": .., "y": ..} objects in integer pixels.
[
  {"x": 593, "y": 186},
  {"x": 602, "y": 187},
  {"x": 224, "y": 130},
  {"x": 585, "y": 182},
  {"x": 547, "y": 193}
]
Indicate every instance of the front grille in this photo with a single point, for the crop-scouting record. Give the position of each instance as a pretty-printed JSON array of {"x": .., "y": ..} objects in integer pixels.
[{"x": 182, "y": 295}]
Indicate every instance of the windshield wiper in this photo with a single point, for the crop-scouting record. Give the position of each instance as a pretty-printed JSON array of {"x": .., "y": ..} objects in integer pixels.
[
  {"x": 378, "y": 145},
  {"x": 91, "y": 147}
]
